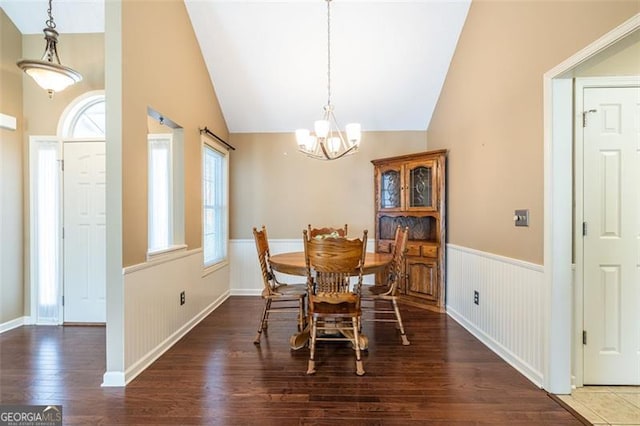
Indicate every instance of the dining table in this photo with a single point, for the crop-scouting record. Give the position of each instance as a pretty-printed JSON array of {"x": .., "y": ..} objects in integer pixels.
[{"x": 294, "y": 263}]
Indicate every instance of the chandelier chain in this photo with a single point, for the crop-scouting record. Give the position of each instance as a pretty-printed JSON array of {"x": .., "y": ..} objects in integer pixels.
[
  {"x": 329, "y": 52},
  {"x": 50, "y": 22}
]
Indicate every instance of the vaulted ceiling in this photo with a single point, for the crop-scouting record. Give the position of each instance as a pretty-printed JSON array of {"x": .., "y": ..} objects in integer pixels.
[{"x": 268, "y": 59}]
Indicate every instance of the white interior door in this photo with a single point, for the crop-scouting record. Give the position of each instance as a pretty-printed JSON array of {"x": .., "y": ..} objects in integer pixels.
[
  {"x": 84, "y": 232},
  {"x": 611, "y": 265}
]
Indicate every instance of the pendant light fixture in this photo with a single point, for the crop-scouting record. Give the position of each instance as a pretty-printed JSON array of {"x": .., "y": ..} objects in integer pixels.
[
  {"x": 328, "y": 142},
  {"x": 48, "y": 72}
]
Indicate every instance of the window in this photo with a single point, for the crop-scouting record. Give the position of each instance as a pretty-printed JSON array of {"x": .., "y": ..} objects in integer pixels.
[
  {"x": 215, "y": 210},
  {"x": 45, "y": 229},
  {"x": 160, "y": 193},
  {"x": 165, "y": 230},
  {"x": 85, "y": 117}
]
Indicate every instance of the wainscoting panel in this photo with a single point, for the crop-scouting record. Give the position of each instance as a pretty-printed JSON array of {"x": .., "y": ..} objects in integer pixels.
[
  {"x": 246, "y": 279},
  {"x": 508, "y": 318},
  {"x": 154, "y": 318}
]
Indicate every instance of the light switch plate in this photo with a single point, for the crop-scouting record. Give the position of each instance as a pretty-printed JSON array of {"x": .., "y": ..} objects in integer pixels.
[{"x": 521, "y": 217}]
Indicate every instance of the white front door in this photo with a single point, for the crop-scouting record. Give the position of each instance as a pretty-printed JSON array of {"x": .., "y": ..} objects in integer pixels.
[
  {"x": 84, "y": 232},
  {"x": 611, "y": 265}
]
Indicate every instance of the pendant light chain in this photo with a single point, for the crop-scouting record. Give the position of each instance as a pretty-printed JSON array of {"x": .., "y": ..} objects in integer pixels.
[
  {"x": 328, "y": 52},
  {"x": 50, "y": 22},
  {"x": 329, "y": 142}
]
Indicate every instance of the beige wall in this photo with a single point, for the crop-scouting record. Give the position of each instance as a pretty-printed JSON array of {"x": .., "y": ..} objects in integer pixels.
[
  {"x": 11, "y": 171},
  {"x": 82, "y": 52},
  {"x": 162, "y": 69},
  {"x": 490, "y": 114},
  {"x": 272, "y": 184}
]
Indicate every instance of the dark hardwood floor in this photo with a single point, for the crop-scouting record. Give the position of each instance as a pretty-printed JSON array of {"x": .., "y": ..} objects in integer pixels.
[{"x": 216, "y": 375}]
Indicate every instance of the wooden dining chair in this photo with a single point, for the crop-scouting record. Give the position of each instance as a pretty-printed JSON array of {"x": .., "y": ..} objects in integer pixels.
[
  {"x": 333, "y": 304},
  {"x": 326, "y": 231},
  {"x": 387, "y": 293},
  {"x": 279, "y": 298}
]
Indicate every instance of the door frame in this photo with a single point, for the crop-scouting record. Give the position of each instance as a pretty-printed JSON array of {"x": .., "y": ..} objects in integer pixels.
[
  {"x": 578, "y": 242},
  {"x": 558, "y": 300}
]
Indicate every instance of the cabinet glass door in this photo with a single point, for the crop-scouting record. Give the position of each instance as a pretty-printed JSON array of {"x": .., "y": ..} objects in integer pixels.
[
  {"x": 421, "y": 186},
  {"x": 390, "y": 189}
]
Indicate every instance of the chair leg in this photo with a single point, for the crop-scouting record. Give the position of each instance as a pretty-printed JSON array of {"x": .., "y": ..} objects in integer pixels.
[
  {"x": 356, "y": 341},
  {"x": 301, "y": 314},
  {"x": 405, "y": 341},
  {"x": 311, "y": 368},
  {"x": 263, "y": 320}
]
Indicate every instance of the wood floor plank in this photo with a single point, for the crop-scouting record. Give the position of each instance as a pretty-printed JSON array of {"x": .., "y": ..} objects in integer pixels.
[{"x": 216, "y": 376}]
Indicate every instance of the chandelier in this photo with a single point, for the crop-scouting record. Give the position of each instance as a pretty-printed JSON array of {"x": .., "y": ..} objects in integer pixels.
[
  {"x": 48, "y": 72},
  {"x": 328, "y": 142}
]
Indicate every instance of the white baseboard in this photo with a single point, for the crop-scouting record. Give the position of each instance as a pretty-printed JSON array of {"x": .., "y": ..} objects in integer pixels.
[
  {"x": 496, "y": 347},
  {"x": 113, "y": 379},
  {"x": 144, "y": 362},
  {"x": 246, "y": 292},
  {"x": 15, "y": 323}
]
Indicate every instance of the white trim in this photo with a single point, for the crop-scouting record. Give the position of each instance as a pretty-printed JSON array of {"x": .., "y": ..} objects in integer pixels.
[
  {"x": 578, "y": 240},
  {"x": 172, "y": 256},
  {"x": 113, "y": 379},
  {"x": 246, "y": 292},
  {"x": 558, "y": 216},
  {"x": 15, "y": 323},
  {"x": 144, "y": 362},
  {"x": 215, "y": 267},
  {"x": 504, "y": 353},
  {"x": 162, "y": 253},
  {"x": 279, "y": 240},
  {"x": 7, "y": 122},
  {"x": 497, "y": 257}
]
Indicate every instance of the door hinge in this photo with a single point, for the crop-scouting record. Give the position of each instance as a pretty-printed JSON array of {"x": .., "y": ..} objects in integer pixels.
[
  {"x": 584, "y": 337},
  {"x": 584, "y": 116},
  {"x": 584, "y": 229},
  {"x": 62, "y": 300},
  {"x": 63, "y": 232}
]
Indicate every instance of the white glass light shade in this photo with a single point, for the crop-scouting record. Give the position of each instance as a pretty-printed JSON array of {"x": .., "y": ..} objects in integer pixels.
[
  {"x": 49, "y": 77},
  {"x": 333, "y": 144},
  {"x": 354, "y": 133},
  {"x": 312, "y": 141},
  {"x": 322, "y": 128},
  {"x": 301, "y": 137}
]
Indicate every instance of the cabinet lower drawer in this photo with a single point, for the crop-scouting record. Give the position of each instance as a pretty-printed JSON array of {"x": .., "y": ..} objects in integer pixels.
[{"x": 422, "y": 250}]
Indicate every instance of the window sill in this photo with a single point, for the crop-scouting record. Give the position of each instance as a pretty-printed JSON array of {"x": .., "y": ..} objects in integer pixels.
[
  {"x": 165, "y": 253},
  {"x": 208, "y": 270}
]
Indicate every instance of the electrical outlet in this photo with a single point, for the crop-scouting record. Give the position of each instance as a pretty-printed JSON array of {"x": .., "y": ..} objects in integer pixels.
[
  {"x": 476, "y": 297},
  {"x": 182, "y": 298}
]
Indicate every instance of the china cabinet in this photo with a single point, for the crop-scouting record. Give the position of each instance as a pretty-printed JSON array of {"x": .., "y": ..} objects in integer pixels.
[{"x": 410, "y": 191}]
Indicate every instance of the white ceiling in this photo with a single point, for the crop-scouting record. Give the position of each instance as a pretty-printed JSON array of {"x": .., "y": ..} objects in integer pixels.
[{"x": 268, "y": 58}]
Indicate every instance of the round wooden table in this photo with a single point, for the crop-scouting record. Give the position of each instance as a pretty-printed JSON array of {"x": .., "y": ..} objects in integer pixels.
[{"x": 293, "y": 263}]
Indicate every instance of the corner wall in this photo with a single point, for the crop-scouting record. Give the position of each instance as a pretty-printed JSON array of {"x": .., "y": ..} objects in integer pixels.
[
  {"x": 12, "y": 302},
  {"x": 490, "y": 117},
  {"x": 144, "y": 317}
]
